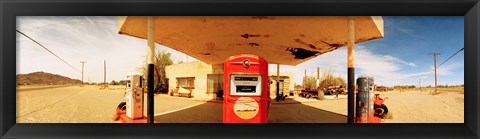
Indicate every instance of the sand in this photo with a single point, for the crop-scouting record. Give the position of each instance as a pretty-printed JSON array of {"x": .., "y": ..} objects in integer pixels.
[
  {"x": 410, "y": 106},
  {"x": 88, "y": 104},
  {"x": 422, "y": 107}
]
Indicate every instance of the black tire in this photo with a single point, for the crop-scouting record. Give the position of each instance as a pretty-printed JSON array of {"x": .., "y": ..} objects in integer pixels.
[
  {"x": 381, "y": 111},
  {"x": 122, "y": 105},
  {"x": 331, "y": 92},
  {"x": 384, "y": 107}
]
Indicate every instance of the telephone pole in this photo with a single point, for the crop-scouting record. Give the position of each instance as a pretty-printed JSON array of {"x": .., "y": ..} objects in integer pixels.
[
  {"x": 104, "y": 71},
  {"x": 83, "y": 62},
  {"x": 318, "y": 73},
  {"x": 435, "y": 69},
  {"x": 317, "y": 83},
  {"x": 420, "y": 84}
]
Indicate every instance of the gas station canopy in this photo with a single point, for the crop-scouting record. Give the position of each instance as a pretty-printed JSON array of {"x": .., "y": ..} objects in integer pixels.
[{"x": 287, "y": 40}]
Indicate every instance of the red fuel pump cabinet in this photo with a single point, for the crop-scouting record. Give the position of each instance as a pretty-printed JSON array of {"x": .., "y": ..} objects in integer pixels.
[{"x": 246, "y": 97}]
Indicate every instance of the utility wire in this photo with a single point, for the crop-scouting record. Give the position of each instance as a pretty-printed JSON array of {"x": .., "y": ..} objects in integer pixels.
[
  {"x": 65, "y": 23},
  {"x": 444, "y": 62},
  {"x": 47, "y": 50},
  {"x": 450, "y": 57}
]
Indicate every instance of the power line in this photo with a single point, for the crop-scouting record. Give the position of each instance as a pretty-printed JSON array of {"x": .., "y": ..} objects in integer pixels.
[
  {"x": 450, "y": 57},
  {"x": 47, "y": 50},
  {"x": 66, "y": 23},
  {"x": 444, "y": 62}
]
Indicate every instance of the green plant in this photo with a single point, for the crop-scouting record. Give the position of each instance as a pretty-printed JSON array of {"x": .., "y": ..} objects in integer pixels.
[{"x": 162, "y": 59}]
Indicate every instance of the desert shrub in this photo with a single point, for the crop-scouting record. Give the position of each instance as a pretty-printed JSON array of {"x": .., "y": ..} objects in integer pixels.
[
  {"x": 326, "y": 79},
  {"x": 161, "y": 61}
]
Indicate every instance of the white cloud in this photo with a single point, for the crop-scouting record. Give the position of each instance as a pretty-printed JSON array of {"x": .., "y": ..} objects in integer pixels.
[
  {"x": 394, "y": 59},
  {"x": 94, "y": 39},
  {"x": 75, "y": 39},
  {"x": 386, "y": 69}
]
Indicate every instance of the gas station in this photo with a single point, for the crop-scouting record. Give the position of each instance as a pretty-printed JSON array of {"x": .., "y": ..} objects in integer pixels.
[{"x": 245, "y": 45}]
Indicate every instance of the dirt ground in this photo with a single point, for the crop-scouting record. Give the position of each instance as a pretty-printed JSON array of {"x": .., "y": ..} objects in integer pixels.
[
  {"x": 413, "y": 106},
  {"x": 422, "y": 107},
  {"x": 74, "y": 104},
  {"x": 88, "y": 104}
]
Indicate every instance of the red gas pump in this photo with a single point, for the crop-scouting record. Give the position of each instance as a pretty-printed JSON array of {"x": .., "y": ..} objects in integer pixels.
[{"x": 246, "y": 97}]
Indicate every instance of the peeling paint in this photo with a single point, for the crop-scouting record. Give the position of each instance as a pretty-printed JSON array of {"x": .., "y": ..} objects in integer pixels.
[
  {"x": 306, "y": 44},
  {"x": 301, "y": 53},
  {"x": 210, "y": 44},
  {"x": 332, "y": 44},
  {"x": 234, "y": 44},
  {"x": 246, "y": 35},
  {"x": 253, "y": 44}
]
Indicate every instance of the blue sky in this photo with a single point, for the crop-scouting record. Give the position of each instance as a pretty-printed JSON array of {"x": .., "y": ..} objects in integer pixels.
[{"x": 402, "y": 57}]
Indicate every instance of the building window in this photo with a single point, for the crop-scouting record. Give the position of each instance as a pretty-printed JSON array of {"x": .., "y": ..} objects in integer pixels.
[
  {"x": 186, "y": 82},
  {"x": 214, "y": 83}
]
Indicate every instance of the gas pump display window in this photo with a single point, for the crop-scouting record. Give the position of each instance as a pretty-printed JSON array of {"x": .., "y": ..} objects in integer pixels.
[{"x": 246, "y": 85}]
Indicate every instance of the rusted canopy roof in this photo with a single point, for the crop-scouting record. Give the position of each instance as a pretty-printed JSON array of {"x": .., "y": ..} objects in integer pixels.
[{"x": 287, "y": 40}]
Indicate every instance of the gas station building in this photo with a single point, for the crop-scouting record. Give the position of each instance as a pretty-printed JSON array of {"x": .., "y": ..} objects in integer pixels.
[{"x": 205, "y": 80}]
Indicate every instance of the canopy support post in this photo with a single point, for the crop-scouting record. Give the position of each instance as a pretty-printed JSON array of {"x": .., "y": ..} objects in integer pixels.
[
  {"x": 278, "y": 83},
  {"x": 151, "y": 68},
  {"x": 351, "y": 70}
]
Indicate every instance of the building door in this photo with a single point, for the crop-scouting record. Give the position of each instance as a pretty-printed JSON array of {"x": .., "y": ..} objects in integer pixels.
[{"x": 280, "y": 83}]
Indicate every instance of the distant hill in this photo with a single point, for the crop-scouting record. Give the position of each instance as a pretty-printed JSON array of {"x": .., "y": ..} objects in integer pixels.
[{"x": 44, "y": 78}]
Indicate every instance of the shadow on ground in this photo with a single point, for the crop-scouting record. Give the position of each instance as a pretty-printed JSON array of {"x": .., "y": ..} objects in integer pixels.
[
  {"x": 281, "y": 112},
  {"x": 278, "y": 113}
]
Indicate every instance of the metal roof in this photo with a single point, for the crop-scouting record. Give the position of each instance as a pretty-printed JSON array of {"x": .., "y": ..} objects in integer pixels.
[{"x": 286, "y": 40}]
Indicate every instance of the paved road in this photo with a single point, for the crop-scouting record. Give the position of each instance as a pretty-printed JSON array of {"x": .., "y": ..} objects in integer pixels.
[{"x": 88, "y": 104}]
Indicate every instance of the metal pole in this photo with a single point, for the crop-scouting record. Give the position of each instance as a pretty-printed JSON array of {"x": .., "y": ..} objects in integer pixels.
[
  {"x": 435, "y": 68},
  {"x": 83, "y": 62},
  {"x": 104, "y": 72},
  {"x": 318, "y": 73},
  {"x": 317, "y": 83},
  {"x": 278, "y": 82},
  {"x": 151, "y": 53},
  {"x": 420, "y": 84},
  {"x": 351, "y": 70},
  {"x": 304, "y": 79},
  {"x": 305, "y": 73}
]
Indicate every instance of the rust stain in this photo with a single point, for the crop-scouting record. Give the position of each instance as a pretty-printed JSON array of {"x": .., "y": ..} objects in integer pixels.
[
  {"x": 210, "y": 44},
  {"x": 266, "y": 36},
  {"x": 332, "y": 44},
  {"x": 246, "y": 35},
  {"x": 301, "y": 53},
  {"x": 234, "y": 44},
  {"x": 367, "y": 39},
  {"x": 302, "y": 35},
  {"x": 253, "y": 44},
  {"x": 306, "y": 44}
]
